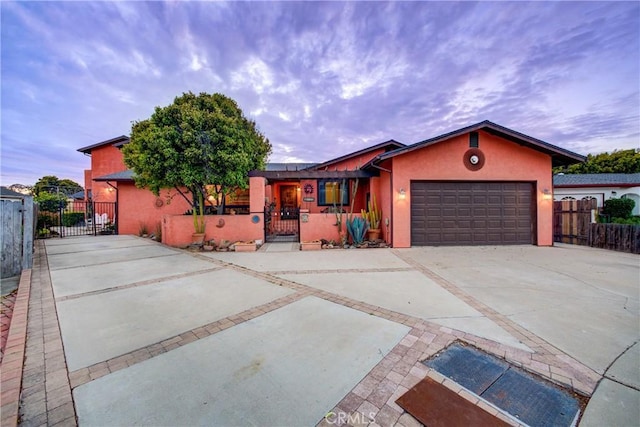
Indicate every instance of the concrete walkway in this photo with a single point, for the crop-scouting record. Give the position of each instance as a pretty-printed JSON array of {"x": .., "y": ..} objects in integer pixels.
[{"x": 152, "y": 335}]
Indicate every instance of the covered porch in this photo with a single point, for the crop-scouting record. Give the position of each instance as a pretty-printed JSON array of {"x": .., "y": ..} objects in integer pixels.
[{"x": 306, "y": 205}]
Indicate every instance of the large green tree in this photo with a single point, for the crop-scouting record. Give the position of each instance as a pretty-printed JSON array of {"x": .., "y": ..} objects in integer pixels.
[
  {"x": 618, "y": 161},
  {"x": 199, "y": 142},
  {"x": 52, "y": 184}
]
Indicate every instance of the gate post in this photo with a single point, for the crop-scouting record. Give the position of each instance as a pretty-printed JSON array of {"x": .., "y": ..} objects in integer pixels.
[{"x": 27, "y": 232}]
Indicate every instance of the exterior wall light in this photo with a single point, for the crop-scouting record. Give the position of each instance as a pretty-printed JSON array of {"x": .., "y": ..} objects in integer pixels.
[
  {"x": 546, "y": 194},
  {"x": 402, "y": 194}
]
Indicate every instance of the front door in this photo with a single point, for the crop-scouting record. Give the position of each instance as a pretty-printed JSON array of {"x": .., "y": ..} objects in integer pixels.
[{"x": 289, "y": 201}]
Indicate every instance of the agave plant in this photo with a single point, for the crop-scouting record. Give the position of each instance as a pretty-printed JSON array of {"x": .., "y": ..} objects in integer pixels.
[{"x": 357, "y": 228}]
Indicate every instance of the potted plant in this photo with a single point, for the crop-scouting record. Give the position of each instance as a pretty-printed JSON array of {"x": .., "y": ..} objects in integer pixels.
[{"x": 373, "y": 215}]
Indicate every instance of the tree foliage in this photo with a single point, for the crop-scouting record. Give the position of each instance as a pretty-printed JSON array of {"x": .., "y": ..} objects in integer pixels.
[
  {"x": 52, "y": 184},
  {"x": 618, "y": 161},
  {"x": 50, "y": 202},
  {"x": 194, "y": 143}
]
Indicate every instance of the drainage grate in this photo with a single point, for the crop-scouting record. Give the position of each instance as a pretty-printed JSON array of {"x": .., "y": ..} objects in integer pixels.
[{"x": 533, "y": 400}]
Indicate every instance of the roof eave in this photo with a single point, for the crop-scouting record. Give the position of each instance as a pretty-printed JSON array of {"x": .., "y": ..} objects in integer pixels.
[
  {"x": 118, "y": 141},
  {"x": 617, "y": 185},
  {"x": 560, "y": 156},
  {"x": 359, "y": 153}
]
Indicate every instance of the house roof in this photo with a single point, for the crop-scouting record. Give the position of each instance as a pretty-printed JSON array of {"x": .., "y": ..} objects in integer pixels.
[
  {"x": 288, "y": 166},
  {"x": 78, "y": 195},
  {"x": 10, "y": 194},
  {"x": 118, "y": 176},
  {"x": 597, "y": 180},
  {"x": 389, "y": 145},
  {"x": 118, "y": 142},
  {"x": 559, "y": 155},
  {"x": 311, "y": 174}
]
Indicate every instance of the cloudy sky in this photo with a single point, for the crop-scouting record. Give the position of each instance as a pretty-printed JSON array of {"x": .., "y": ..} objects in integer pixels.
[{"x": 320, "y": 78}]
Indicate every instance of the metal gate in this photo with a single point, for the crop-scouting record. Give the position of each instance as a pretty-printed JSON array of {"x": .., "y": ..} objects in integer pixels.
[
  {"x": 282, "y": 225},
  {"x": 79, "y": 218}
]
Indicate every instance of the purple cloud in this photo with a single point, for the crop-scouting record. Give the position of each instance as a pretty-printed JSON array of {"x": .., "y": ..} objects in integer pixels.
[{"x": 320, "y": 78}]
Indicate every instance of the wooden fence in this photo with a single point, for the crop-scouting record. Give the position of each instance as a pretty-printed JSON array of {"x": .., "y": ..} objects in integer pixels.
[
  {"x": 17, "y": 226},
  {"x": 619, "y": 237},
  {"x": 573, "y": 222},
  {"x": 572, "y": 219}
]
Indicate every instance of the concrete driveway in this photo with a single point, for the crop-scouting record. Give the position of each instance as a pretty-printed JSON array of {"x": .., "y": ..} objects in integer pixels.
[{"x": 158, "y": 336}]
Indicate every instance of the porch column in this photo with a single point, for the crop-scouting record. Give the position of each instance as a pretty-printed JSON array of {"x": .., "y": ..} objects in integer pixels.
[{"x": 256, "y": 194}]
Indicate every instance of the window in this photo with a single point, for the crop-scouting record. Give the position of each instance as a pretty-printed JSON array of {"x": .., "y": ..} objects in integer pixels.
[{"x": 331, "y": 192}]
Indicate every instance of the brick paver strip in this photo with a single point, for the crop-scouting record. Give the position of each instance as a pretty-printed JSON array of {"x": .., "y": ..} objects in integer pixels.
[
  {"x": 13, "y": 356},
  {"x": 46, "y": 393},
  {"x": 7, "y": 303}
]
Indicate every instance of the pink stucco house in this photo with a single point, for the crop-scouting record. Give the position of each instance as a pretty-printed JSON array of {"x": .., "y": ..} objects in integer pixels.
[{"x": 483, "y": 184}]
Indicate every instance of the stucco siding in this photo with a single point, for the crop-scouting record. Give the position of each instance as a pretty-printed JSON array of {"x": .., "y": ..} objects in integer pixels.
[{"x": 137, "y": 206}]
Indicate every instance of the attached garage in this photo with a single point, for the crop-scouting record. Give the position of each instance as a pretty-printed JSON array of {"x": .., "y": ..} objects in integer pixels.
[{"x": 472, "y": 213}]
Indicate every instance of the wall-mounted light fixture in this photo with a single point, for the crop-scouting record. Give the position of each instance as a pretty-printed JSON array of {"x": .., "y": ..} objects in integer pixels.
[
  {"x": 546, "y": 194},
  {"x": 402, "y": 194},
  {"x": 614, "y": 193}
]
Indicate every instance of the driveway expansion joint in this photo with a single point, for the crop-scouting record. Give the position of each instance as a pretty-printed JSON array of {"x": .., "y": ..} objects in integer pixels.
[{"x": 137, "y": 284}]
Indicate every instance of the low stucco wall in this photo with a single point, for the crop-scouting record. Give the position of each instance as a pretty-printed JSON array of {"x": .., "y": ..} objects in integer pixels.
[
  {"x": 177, "y": 229},
  {"x": 320, "y": 226}
]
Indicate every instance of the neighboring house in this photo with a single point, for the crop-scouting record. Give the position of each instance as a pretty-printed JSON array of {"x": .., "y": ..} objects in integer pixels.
[
  {"x": 8, "y": 194},
  {"x": 482, "y": 184},
  {"x": 106, "y": 158},
  {"x": 598, "y": 186}
]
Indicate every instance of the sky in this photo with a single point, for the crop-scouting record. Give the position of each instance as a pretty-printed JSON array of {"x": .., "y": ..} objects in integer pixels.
[{"x": 321, "y": 79}]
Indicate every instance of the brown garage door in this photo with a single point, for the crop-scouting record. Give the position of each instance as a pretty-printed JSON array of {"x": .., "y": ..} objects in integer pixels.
[{"x": 471, "y": 213}]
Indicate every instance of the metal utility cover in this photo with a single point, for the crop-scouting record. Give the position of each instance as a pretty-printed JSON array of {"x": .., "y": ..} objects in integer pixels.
[
  {"x": 529, "y": 398},
  {"x": 532, "y": 400},
  {"x": 468, "y": 367}
]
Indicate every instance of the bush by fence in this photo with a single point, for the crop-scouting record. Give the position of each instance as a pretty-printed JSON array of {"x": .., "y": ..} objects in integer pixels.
[{"x": 69, "y": 219}]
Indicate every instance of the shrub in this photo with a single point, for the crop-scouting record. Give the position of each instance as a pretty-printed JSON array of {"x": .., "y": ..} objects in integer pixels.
[
  {"x": 69, "y": 219},
  {"x": 618, "y": 208},
  {"x": 634, "y": 220},
  {"x": 48, "y": 202},
  {"x": 47, "y": 219}
]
